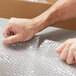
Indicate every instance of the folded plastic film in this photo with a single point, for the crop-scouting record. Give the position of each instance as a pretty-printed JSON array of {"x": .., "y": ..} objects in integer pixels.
[{"x": 26, "y": 59}]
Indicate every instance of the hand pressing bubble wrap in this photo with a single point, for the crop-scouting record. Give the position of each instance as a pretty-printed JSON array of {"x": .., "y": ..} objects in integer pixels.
[
  {"x": 51, "y": 64},
  {"x": 26, "y": 59}
]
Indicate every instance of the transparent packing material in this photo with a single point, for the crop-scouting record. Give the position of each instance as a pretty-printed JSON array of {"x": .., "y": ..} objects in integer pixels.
[
  {"x": 18, "y": 59},
  {"x": 26, "y": 59},
  {"x": 30, "y": 59},
  {"x": 51, "y": 64}
]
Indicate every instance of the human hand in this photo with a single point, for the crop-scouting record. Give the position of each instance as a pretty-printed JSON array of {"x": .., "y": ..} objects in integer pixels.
[
  {"x": 21, "y": 30},
  {"x": 67, "y": 51}
]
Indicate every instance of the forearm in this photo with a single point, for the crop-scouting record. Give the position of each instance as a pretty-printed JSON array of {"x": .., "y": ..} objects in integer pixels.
[{"x": 60, "y": 11}]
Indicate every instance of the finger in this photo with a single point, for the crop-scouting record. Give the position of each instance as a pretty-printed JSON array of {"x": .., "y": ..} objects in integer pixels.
[
  {"x": 8, "y": 29},
  {"x": 60, "y": 48},
  {"x": 6, "y": 32},
  {"x": 65, "y": 52},
  {"x": 70, "y": 57},
  {"x": 75, "y": 55},
  {"x": 11, "y": 39},
  {"x": 74, "y": 62}
]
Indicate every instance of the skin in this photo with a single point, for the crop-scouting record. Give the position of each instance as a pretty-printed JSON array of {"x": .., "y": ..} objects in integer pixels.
[{"x": 25, "y": 29}]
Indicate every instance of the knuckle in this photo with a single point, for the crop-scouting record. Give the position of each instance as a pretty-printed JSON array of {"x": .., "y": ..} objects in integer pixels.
[
  {"x": 12, "y": 18},
  {"x": 73, "y": 49},
  {"x": 69, "y": 40},
  {"x": 9, "y": 23},
  {"x": 69, "y": 44}
]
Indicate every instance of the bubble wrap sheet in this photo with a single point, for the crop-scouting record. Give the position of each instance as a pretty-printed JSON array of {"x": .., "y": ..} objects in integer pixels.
[
  {"x": 23, "y": 59},
  {"x": 27, "y": 59}
]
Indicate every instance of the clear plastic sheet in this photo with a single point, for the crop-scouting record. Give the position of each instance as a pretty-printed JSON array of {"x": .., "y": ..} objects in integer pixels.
[
  {"x": 18, "y": 59},
  {"x": 27, "y": 59},
  {"x": 50, "y": 63}
]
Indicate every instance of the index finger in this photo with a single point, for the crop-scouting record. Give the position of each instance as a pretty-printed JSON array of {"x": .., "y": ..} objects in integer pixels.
[{"x": 7, "y": 31}]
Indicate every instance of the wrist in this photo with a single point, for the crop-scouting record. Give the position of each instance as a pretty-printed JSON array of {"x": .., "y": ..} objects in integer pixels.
[
  {"x": 39, "y": 23},
  {"x": 48, "y": 18}
]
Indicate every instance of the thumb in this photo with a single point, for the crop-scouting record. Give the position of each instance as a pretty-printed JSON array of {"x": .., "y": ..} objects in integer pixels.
[{"x": 11, "y": 39}]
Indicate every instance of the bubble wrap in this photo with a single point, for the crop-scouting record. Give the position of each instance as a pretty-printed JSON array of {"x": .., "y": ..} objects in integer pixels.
[
  {"x": 18, "y": 59},
  {"x": 50, "y": 63},
  {"x": 24, "y": 59},
  {"x": 27, "y": 59}
]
